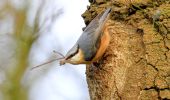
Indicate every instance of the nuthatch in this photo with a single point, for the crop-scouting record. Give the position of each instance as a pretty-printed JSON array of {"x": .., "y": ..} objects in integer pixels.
[{"x": 91, "y": 45}]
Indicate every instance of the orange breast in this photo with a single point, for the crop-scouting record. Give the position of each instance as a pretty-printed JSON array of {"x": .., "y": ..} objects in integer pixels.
[
  {"x": 79, "y": 57},
  {"x": 103, "y": 45}
]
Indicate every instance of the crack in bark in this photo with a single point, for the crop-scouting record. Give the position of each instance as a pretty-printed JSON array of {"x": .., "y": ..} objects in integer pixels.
[
  {"x": 150, "y": 43},
  {"x": 165, "y": 47},
  {"x": 157, "y": 89},
  {"x": 153, "y": 66}
]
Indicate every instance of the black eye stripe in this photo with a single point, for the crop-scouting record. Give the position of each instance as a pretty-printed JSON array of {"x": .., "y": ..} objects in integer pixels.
[{"x": 73, "y": 53}]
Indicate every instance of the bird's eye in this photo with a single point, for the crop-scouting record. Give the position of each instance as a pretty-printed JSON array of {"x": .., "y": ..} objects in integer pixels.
[{"x": 73, "y": 53}]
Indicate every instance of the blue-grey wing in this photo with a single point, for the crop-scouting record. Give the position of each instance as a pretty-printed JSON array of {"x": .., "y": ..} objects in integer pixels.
[
  {"x": 89, "y": 41},
  {"x": 98, "y": 21}
]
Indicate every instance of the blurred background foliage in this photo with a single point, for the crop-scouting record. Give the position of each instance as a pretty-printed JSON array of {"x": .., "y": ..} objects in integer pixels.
[{"x": 21, "y": 24}]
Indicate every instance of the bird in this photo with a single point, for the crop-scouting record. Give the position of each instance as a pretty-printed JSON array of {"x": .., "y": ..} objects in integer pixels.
[{"x": 91, "y": 45}]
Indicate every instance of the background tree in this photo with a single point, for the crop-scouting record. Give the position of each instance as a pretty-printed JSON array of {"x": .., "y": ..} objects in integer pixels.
[
  {"x": 17, "y": 35},
  {"x": 136, "y": 65}
]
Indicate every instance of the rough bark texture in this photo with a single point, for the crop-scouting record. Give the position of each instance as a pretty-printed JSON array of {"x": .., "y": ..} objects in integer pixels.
[{"x": 136, "y": 65}]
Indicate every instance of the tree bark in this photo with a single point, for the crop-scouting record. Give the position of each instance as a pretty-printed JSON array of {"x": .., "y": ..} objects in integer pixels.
[{"x": 136, "y": 65}]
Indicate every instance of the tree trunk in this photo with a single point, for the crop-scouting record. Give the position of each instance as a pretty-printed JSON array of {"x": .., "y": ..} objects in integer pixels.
[{"x": 136, "y": 65}]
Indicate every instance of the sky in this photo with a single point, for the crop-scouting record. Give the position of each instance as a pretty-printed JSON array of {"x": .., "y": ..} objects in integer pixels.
[{"x": 66, "y": 82}]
